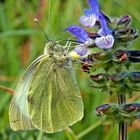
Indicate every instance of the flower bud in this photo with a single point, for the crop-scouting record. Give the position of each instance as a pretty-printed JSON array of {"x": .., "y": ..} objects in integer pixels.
[{"x": 124, "y": 20}]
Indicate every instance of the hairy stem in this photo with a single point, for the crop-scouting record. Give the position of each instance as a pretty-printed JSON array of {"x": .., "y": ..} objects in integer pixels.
[
  {"x": 122, "y": 131},
  {"x": 122, "y": 125}
]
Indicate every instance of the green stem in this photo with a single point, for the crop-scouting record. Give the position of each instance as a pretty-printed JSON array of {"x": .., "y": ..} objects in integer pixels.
[
  {"x": 40, "y": 135},
  {"x": 122, "y": 124},
  {"x": 70, "y": 134},
  {"x": 89, "y": 129}
]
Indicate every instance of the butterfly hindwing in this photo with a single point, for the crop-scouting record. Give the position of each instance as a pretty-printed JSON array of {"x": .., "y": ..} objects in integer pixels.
[
  {"x": 54, "y": 98},
  {"x": 18, "y": 112},
  {"x": 69, "y": 101}
]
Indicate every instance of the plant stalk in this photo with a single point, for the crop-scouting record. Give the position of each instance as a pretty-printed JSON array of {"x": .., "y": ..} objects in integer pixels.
[{"x": 122, "y": 125}]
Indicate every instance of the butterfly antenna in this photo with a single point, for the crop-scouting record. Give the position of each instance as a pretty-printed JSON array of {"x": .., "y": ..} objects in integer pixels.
[
  {"x": 73, "y": 41},
  {"x": 38, "y": 23}
]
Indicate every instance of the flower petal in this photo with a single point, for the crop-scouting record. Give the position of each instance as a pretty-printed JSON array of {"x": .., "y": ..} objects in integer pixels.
[
  {"x": 101, "y": 32},
  {"x": 89, "y": 42},
  {"x": 79, "y": 32},
  {"x": 104, "y": 26},
  {"x": 105, "y": 42},
  {"x": 81, "y": 49},
  {"x": 88, "y": 12},
  {"x": 88, "y": 21},
  {"x": 94, "y": 6}
]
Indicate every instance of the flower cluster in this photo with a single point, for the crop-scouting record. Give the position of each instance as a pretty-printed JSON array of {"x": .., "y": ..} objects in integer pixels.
[
  {"x": 110, "y": 30},
  {"x": 126, "y": 82},
  {"x": 103, "y": 39},
  {"x": 128, "y": 112}
]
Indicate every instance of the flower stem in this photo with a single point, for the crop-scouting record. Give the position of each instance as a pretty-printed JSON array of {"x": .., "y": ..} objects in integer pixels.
[
  {"x": 89, "y": 129},
  {"x": 122, "y": 131},
  {"x": 122, "y": 124}
]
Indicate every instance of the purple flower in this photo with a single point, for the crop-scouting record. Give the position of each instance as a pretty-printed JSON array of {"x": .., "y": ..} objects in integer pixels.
[
  {"x": 89, "y": 19},
  {"x": 91, "y": 15},
  {"x": 82, "y": 37},
  {"x": 105, "y": 42},
  {"x": 94, "y": 6},
  {"x": 81, "y": 49},
  {"x": 106, "y": 39},
  {"x": 79, "y": 32},
  {"x": 104, "y": 27}
]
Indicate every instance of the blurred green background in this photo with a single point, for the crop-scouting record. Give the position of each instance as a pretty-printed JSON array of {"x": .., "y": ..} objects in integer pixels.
[{"x": 21, "y": 41}]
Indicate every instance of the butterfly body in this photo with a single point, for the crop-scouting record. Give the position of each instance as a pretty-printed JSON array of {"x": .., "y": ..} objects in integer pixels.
[{"x": 47, "y": 96}]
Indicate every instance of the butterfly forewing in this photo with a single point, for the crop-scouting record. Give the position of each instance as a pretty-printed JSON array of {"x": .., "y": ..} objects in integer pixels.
[
  {"x": 54, "y": 98},
  {"x": 18, "y": 112}
]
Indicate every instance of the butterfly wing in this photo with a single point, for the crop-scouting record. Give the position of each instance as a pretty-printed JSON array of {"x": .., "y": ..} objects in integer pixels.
[
  {"x": 18, "y": 110},
  {"x": 54, "y": 98}
]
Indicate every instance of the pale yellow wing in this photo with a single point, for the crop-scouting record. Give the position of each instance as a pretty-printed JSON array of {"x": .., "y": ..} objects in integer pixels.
[
  {"x": 54, "y": 99},
  {"x": 18, "y": 111}
]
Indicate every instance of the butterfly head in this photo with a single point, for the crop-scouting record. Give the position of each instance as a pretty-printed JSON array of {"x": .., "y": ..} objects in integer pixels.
[
  {"x": 56, "y": 52},
  {"x": 53, "y": 47}
]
